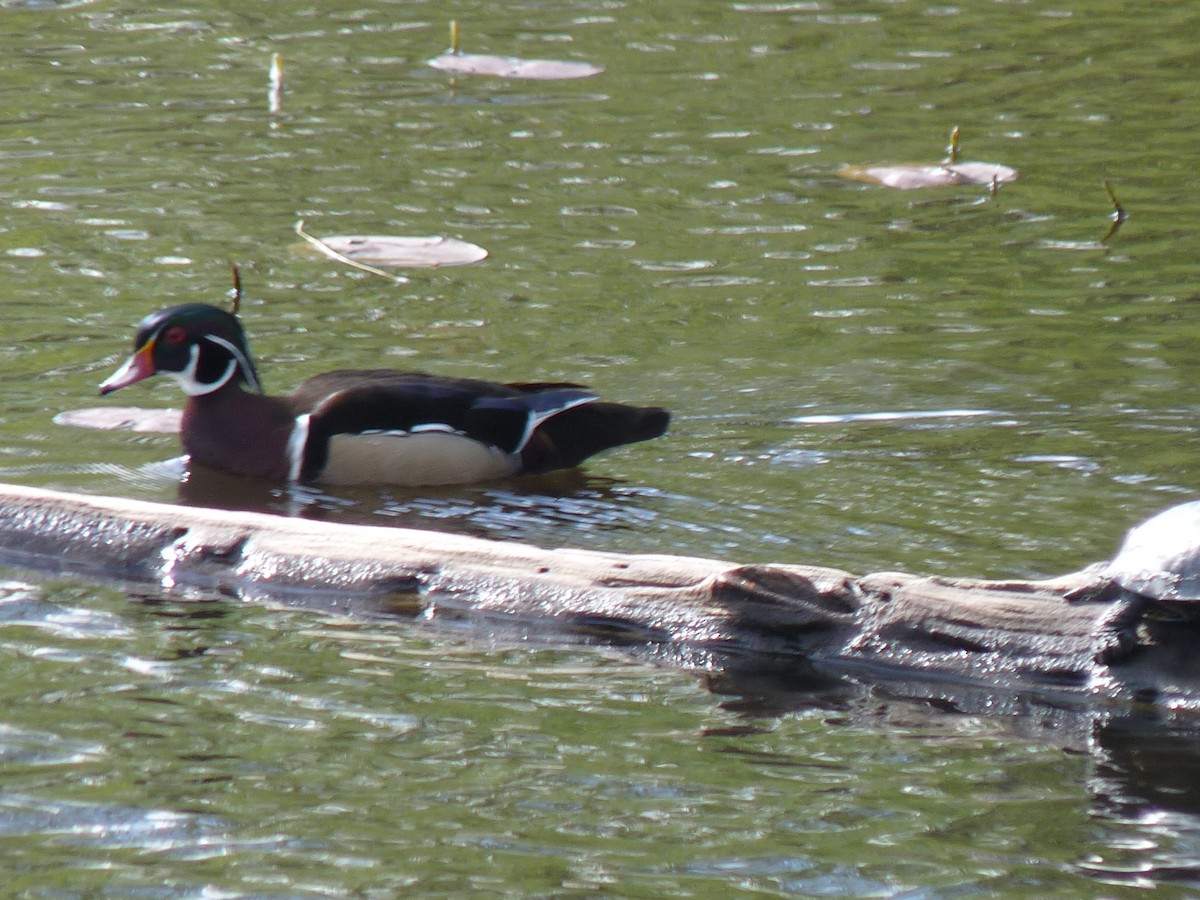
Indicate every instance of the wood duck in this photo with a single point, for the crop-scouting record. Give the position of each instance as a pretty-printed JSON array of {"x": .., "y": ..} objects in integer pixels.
[{"x": 367, "y": 426}]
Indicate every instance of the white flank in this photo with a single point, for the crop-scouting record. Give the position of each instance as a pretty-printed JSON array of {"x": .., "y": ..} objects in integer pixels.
[{"x": 429, "y": 457}]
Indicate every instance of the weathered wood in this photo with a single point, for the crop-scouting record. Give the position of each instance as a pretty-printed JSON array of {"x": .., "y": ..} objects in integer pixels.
[{"x": 1015, "y": 636}]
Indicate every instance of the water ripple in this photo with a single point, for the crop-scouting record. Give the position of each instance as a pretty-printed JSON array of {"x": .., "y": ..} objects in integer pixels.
[{"x": 893, "y": 416}]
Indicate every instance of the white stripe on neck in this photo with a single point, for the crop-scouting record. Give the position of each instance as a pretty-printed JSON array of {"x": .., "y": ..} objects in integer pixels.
[{"x": 297, "y": 441}]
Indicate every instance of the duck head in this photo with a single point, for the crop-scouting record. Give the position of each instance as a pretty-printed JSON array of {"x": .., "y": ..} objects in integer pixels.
[{"x": 202, "y": 347}]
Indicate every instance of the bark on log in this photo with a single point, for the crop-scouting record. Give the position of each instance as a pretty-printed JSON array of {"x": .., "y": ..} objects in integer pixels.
[{"x": 1011, "y": 637}]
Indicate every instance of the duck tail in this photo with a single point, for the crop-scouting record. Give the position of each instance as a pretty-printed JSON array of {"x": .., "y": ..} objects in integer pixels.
[{"x": 568, "y": 438}]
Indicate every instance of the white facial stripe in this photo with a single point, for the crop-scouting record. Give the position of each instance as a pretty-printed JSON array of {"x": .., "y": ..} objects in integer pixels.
[
  {"x": 187, "y": 378},
  {"x": 239, "y": 359}
]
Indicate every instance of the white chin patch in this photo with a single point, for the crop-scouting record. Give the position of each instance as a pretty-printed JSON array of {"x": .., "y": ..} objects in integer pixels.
[{"x": 428, "y": 458}]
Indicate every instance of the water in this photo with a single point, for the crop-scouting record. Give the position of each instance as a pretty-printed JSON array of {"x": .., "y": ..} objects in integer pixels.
[{"x": 942, "y": 381}]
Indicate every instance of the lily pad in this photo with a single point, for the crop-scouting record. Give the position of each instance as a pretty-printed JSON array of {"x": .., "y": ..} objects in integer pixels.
[
  {"x": 512, "y": 66},
  {"x": 911, "y": 177},
  {"x": 415, "y": 252},
  {"x": 130, "y": 418}
]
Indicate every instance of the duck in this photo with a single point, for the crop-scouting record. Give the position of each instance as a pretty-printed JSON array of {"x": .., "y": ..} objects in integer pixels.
[{"x": 367, "y": 426}]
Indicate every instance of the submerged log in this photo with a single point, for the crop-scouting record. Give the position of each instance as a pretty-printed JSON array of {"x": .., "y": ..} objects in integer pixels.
[{"x": 1016, "y": 636}]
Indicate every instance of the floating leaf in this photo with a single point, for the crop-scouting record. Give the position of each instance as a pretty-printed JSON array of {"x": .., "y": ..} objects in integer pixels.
[
  {"x": 421, "y": 252},
  {"x": 910, "y": 177},
  {"x": 453, "y": 60},
  {"x": 326, "y": 250},
  {"x": 131, "y": 418},
  {"x": 512, "y": 67}
]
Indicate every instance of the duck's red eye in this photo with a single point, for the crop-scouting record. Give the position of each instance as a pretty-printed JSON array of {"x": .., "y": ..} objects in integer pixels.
[{"x": 175, "y": 335}]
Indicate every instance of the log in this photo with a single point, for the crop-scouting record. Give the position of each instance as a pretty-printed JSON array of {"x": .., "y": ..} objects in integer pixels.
[{"x": 1002, "y": 641}]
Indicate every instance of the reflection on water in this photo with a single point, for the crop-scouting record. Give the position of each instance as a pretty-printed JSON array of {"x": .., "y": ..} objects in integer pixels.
[
  {"x": 529, "y": 509},
  {"x": 154, "y": 728},
  {"x": 1142, "y": 768}
]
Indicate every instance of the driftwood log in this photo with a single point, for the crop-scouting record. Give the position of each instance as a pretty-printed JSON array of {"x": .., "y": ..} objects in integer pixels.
[{"x": 1011, "y": 639}]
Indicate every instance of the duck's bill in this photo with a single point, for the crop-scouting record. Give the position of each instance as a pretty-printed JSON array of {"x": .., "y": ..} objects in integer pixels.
[{"x": 138, "y": 367}]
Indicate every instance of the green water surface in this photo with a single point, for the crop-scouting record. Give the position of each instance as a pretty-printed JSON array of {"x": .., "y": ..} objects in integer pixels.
[{"x": 943, "y": 381}]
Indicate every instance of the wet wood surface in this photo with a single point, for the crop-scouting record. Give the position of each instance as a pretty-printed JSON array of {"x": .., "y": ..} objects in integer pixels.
[{"x": 1019, "y": 636}]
